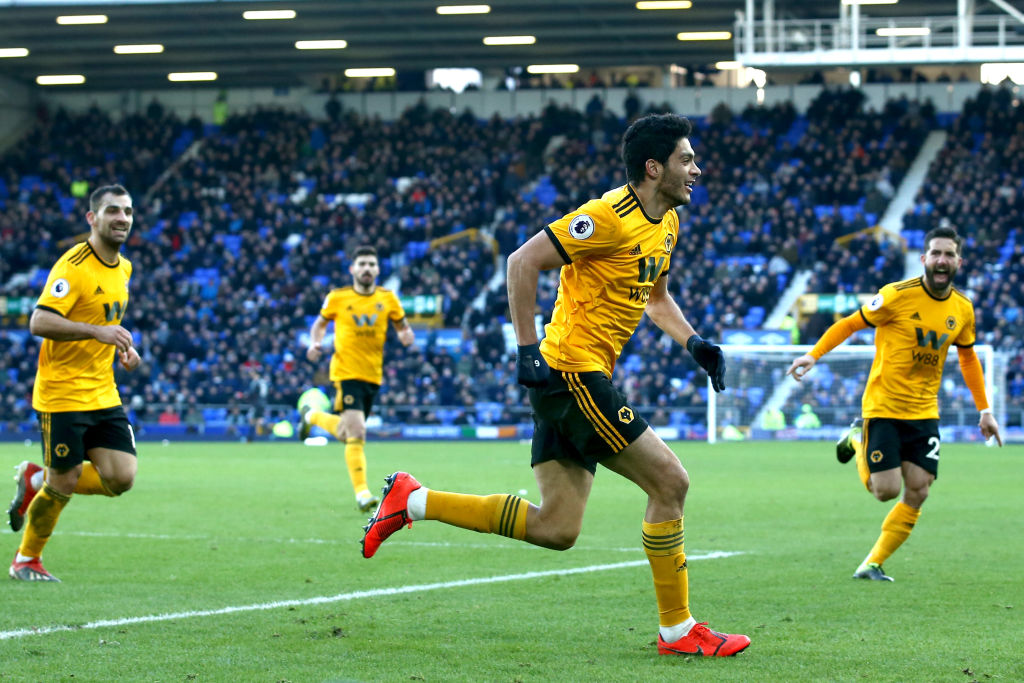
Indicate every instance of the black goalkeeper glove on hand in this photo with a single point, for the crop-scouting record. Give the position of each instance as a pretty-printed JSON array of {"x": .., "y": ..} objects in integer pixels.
[
  {"x": 531, "y": 368},
  {"x": 709, "y": 357}
]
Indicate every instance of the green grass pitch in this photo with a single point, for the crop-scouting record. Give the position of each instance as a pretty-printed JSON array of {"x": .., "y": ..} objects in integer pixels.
[{"x": 241, "y": 562}]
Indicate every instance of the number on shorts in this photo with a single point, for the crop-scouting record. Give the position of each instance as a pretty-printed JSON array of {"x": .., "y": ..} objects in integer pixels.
[{"x": 933, "y": 441}]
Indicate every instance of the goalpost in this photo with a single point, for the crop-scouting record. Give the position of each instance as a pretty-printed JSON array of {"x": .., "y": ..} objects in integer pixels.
[{"x": 758, "y": 388}]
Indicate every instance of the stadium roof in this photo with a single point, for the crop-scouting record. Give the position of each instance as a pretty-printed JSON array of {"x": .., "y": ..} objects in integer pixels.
[{"x": 407, "y": 35}]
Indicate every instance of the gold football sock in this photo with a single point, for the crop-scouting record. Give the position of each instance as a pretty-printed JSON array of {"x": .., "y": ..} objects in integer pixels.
[
  {"x": 355, "y": 458},
  {"x": 663, "y": 543},
  {"x": 90, "y": 483},
  {"x": 495, "y": 514},
  {"x": 325, "y": 421},
  {"x": 895, "y": 529},
  {"x": 40, "y": 519}
]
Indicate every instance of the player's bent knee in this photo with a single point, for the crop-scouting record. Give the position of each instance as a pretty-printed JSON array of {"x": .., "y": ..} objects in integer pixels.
[
  {"x": 119, "y": 486},
  {"x": 561, "y": 541},
  {"x": 553, "y": 537},
  {"x": 883, "y": 493}
]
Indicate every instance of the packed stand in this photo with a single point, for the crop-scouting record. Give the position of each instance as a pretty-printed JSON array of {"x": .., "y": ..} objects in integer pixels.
[
  {"x": 239, "y": 243},
  {"x": 976, "y": 184}
]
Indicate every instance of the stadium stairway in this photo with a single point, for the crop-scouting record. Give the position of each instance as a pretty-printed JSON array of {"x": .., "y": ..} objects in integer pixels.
[
  {"x": 906, "y": 193},
  {"x": 797, "y": 286},
  {"x": 892, "y": 219}
]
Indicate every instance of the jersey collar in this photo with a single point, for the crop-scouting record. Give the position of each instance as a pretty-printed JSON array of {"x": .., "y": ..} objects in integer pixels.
[
  {"x": 639, "y": 203},
  {"x": 99, "y": 258}
]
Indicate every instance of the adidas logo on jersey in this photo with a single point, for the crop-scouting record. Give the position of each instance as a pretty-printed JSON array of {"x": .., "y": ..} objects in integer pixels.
[
  {"x": 99, "y": 290},
  {"x": 635, "y": 251},
  {"x": 916, "y": 316}
]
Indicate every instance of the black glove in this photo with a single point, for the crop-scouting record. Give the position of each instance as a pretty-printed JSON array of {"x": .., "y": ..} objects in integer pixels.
[
  {"x": 531, "y": 368},
  {"x": 709, "y": 357}
]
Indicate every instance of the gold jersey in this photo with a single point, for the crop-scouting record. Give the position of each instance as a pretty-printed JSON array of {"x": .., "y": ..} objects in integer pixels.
[
  {"x": 360, "y": 329},
  {"x": 79, "y": 375},
  {"x": 614, "y": 253},
  {"x": 914, "y": 331}
]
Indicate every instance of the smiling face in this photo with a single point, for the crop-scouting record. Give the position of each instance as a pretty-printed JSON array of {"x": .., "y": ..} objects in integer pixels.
[
  {"x": 678, "y": 173},
  {"x": 941, "y": 262},
  {"x": 112, "y": 221}
]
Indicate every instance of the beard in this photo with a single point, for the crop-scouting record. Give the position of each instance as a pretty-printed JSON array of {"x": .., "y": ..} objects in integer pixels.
[{"x": 929, "y": 276}]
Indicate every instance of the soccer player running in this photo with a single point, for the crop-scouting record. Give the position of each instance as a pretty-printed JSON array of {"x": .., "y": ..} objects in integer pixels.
[
  {"x": 360, "y": 314},
  {"x": 614, "y": 255},
  {"x": 896, "y": 444},
  {"x": 88, "y": 444}
]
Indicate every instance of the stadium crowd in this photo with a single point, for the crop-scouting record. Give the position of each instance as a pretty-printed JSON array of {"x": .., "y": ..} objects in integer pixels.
[
  {"x": 238, "y": 239},
  {"x": 976, "y": 184}
]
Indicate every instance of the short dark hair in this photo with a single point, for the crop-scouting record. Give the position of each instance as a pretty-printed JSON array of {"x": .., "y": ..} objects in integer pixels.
[
  {"x": 652, "y": 137},
  {"x": 365, "y": 250},
  {"x": 944, "y": 233},
  {"x": 97, "y": 195}
]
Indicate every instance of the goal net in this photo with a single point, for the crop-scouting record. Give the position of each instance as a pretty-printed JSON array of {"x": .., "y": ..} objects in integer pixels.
[{"x": 762, "y": 402}]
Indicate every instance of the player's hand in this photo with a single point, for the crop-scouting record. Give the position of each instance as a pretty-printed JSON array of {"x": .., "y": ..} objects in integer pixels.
[
  {"x": 531, "y": 368},
  {"x": 989, "y": 428},
  {"x": 115, "y": 335},
  {"x": 130, "y": 359},
  {"x": 406, "y": 336},
  {"x": 710, "y": 357},
  {"x": 313, "y": 353},
  {"x": 801, "y": 366}
]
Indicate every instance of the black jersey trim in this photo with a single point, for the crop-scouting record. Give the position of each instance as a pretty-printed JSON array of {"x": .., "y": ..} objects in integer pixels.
[
  {"x": 622, "y": 202},
  {"x": 108, "y": 265},
  {"x": 51, "y": 310},
  {"x": 907, "y": 284},
  {"x": 80, "y": 255},
  {"x": 641, "y": 204},
  {"x": 558, "y": 245},
  {"x": 627, "y": 209}
]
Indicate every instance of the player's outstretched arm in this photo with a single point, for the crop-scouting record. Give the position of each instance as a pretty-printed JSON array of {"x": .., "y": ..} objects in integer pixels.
[
  {"x": 835, "y": 335},
  {"x": 801, "y": 366}
]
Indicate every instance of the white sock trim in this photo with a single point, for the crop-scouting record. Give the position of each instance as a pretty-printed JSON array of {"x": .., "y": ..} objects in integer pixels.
[
  {"x": 671, "y": 634},
  {"x": 416, "y": 506}
]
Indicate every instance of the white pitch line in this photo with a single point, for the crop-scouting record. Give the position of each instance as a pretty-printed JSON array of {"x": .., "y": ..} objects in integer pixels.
[{"x": 341, "y": 597}]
